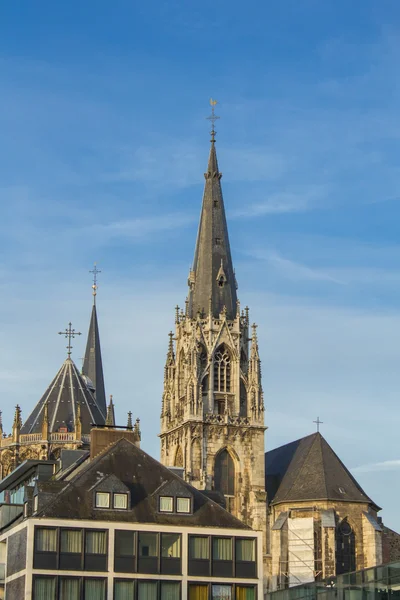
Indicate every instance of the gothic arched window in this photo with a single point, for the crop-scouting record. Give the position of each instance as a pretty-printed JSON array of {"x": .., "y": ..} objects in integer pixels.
[
  {"x": 345, "y": 548},
  {"x": 181, "y": 375},
  {"x": 224, "y": 473},
  {"x": 179, "y": 457},
  {"x": 222, "y": 370},
  {"x": 196, "y": 458}
]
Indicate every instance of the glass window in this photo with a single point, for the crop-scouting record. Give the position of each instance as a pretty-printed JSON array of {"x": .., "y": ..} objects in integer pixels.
[
  {"x": 71, "y": 541},
  {"x": 221, "y": 592},
  {"x": 147, "y": 590},
  {"x": 148, "y": 544},
  {"x": 124, "y": 543},
  {"x": 35, "y": 503},
  {"x": 166, "y": 504},
  {"x": 44, "y": 588},
  {"x": 198, "y": 591},
  {"x": 95, "y": 589},
  {"x": 46, "y": 540},
  {"x": 124, "y": 590},
  {"x": 183, "y": 505},
  {"x": 102, "y": 500},
  {"x": 96, "y": 542},
  {"x": 222, "y": 548},
  {"x": 171, "y": 545},
  {"x": 245, "y": 593},
  {"x": 69, "y": 588},
  {"x": 199, "y": 547},
  {"x": 170, "y": 590},
  {"x": 245, "y": 550},
  {"x": 120, "y": 500}
]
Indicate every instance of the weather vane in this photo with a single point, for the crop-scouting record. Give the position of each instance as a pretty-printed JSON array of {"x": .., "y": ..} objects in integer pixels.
[
  {"x": 94, "y": 286},
  {"x": 70, "y": 334},
  {"x": 213, "y": 117},
  {"x": 318, "y": 423}
]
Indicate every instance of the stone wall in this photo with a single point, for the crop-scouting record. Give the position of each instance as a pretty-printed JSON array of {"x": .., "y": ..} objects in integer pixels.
[{"x": 16, "y": 553}]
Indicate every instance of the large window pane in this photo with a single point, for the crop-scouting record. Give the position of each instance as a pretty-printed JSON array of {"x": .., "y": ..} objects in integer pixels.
[
  {"x": 95, "y": 589},
  {"x": 199, "y": 547},
  {"x": 198, "y": 591},
  {"x": 69, "y": 589},
  {"x": 171, "y": 545},
  {"x": 148, "y": 544},
  {"x": 44, "y": 588},
  {"x": 147, "y": 590},
  {"x": 71, "y": 541},
  {"x": 125, "y": 543},
  {"x": 96, "y": 542},
  {"x": 245, "y": 550},
  {"x": 222, "y": 548},
  {"x": 245, "y": 593},
  {"x": 170, "y": 590},
  {"x": 221, "y": 592},
  {"x": 124, "y": 590},
  {"x": 46, "y": 540}
]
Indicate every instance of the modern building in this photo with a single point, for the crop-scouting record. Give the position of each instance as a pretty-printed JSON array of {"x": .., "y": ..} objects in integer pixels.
[{"x": 116, "y": 524}]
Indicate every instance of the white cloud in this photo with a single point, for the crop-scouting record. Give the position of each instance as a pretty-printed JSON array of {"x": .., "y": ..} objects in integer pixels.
[{"x": 386, "y": 465}]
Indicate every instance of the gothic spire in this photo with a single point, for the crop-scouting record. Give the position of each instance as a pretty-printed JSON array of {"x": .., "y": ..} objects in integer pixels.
[
  {"x": 92, "y": 367},
  {"x": 212, "y": 275},
  {"x": 110, "y": 420}
]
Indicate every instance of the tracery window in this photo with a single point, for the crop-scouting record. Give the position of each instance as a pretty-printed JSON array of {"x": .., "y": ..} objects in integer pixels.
[
  {"x": 345, "y": 548},
  {"x": 222, "y": 371}
]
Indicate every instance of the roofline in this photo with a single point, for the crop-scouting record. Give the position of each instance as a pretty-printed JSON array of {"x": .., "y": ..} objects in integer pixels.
[
  {"x": 336, "y": 500},
  {"x": 23, "y": 468}
]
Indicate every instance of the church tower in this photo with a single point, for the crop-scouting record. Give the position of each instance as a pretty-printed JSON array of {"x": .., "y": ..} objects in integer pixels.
[{"x": 212, "y": 418}]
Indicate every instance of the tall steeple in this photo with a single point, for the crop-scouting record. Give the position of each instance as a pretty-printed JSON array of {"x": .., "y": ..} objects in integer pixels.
[
  {"x": 212, "y": 415},
  {"x": 92, "y": 368},
  {"x": 212, "y": 278}
]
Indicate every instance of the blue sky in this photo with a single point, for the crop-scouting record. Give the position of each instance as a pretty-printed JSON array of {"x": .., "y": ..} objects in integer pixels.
[{"x": 103, "y": 148}]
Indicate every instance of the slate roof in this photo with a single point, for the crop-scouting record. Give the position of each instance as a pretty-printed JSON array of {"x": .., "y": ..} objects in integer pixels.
[
  {"x": 143, "y": 476},
  {"x": 308, "y": 469},
  {"x": 66, "y": 391},
  {"x": 93, "y": 364},
  {"x": 212, "y": 256}
]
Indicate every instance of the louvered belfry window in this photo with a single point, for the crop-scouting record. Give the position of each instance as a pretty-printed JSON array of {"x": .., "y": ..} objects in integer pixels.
[
  {"x": 224, "y": 475},
  {"x": 222, "y": 371}
]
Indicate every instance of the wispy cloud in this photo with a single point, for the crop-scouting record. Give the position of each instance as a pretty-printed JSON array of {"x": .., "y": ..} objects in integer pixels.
[
  {"x": 285, "y": 202},
  {"x": 386, "y": 465}
]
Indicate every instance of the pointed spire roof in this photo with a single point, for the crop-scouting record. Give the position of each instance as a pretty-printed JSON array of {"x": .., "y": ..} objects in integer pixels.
[
  {"x": 64, "y": 398},
  {"x": 92, "y": 368},
  {"x": 110, "y": 420},
  {"x": 212, "y": 279},
  {"x": 308, "y": 469}
]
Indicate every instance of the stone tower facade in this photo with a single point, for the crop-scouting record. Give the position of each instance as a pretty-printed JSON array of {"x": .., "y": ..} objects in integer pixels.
[{"x": 212, "y": 418}]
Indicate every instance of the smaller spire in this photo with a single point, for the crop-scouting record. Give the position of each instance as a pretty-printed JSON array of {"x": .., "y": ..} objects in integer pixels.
[
  {"x": 1, "y": 422},
  {"x": 130, "y": 424},
  {"x": 95, "y": 270},
  {"x": 17, "y": 424},
  {"x": 110, "y": 420}
]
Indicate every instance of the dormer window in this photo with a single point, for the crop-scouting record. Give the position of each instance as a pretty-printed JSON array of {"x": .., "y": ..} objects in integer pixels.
[
  {"x": 102, "y": 500},
  {"x": 120, "y": 501},
  {"x": 183, "y": 505},
  {"x": 166, "y": 504}
]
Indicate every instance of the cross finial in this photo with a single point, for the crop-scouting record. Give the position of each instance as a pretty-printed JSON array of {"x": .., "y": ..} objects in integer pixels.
[
  {"x": 213, "y": 117},
  {"x": 70, "y": 334},
  {"x": 318, "y": 423},
  {"x": 95, "y": 270}
]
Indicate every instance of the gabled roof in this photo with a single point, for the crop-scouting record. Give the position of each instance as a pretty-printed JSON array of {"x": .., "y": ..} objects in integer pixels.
[
  {"x": 65, "y": 394},
  {"x": 308, "y": 469},
  {"x": 214, "y": 277},
  {"x": 93, "y": 364},
  {"x": 143, "y": 476}
]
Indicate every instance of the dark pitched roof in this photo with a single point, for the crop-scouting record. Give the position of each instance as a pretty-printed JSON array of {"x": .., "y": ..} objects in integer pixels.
[
  {"x": 92, "y": 363},
  {"x": 212, "y": 258},
  {"x": 308, "y": 469},
  {"x": 143, "y": 476},
  {"x": 64, "y": 394}
]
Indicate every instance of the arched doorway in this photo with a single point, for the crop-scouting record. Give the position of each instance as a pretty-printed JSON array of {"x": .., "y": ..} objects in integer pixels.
[
  {"x": 224, "y": 473},
  {"x": 345, "y": 548}
]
